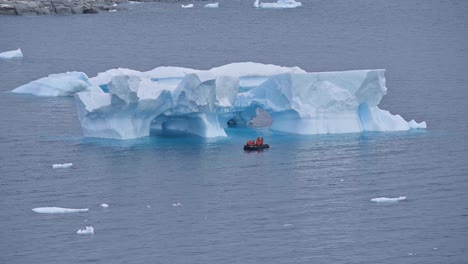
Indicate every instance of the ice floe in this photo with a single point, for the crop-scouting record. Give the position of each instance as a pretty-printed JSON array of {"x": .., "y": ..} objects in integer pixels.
[
  {"x": 212, "y": 5},
  {"x": 176, "y": 204},
  {"x": 13, "y": 54},
  {"x": 388, "y": 200},
  {"x": 187, "y": 6},
  {"x": 279, "y": 4},
  {"x": 62, "y": 166},
  {"x": 89, "y": 230},
  {"x": 104, "y": 205},
  {"x": 58, "y": 210}
]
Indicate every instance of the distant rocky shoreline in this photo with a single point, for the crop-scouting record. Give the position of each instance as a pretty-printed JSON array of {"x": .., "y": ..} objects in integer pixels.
[{"x": 62, "y": 7}]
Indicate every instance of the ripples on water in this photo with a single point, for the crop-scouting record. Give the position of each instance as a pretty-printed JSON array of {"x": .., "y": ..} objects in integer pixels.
[{"x": 306, "y": 200}]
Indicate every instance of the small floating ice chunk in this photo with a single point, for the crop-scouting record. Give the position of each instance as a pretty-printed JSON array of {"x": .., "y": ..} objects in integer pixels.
[
  {"x": 148, "y": 206},
  {"x": 388, "y": 200},
  {"x": 286, "y": 225},
  {"x": 341, "y": 180},
  {"x": 212, "y": 5},
  {"x": 114, "y": 4},
  {"x": 414, "y": 125},
  {"x": 58, "y": 210},
  {"x": 62, "y": 166},
  {"x": 177, "y": 204},
  {"x": 88, "y": 231},
  {"x": 104, "y": 205},
  {"x": 187, "y": 6},
  {"x": 113, "y": 10},
  {"x": 13, "y": 54}
]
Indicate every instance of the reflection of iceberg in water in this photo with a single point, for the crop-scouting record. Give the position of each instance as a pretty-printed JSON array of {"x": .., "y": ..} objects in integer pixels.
[
  {"x": 127, "y": 104},
  {"x": 278, "y": 4}
]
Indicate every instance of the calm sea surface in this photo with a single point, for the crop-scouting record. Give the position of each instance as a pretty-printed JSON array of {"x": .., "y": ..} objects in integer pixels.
[{"x": 306, "y": 200}]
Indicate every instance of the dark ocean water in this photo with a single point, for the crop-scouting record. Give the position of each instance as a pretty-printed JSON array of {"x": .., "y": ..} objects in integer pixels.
[{"x": 306, "y": 200}]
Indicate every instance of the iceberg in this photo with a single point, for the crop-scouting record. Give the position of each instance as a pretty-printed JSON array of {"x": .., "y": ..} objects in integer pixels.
[
  {"x": 212, "y": 5},
  {"x": 187, "y": 6},
  {"x": 13, "y": 54},
  {"x": 58, "y": 210},
  {"x": 388, "y": 200},
  {"x": 62, "y": 84},
  {"x": 127, "y": 104},
  {"x": 278, "y": 4},
  {"x": 62, "y": 166},
  {"x": 89, "y": 230},
  {"x": 173, "y": 100}
]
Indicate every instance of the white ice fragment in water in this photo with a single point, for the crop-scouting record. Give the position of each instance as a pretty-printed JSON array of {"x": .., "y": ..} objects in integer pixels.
[
  {"x": 62, "y": 166},
  {"x": 212, "y": 5},
  {"x": 177, "y": 204},
  {"x": 104, "y": 205},
  {"x": 13, "y": 54},
  {"x": 187, "y": 6},
  {"x": 88, "y": 231},
  {"x": 286, "y": 225},
  {"x": 341, "y": 180},
  {"x": 388, "y": 200},
  {"x": 435, "y": 248},
  {"x": 58, "y": 210},
  {"x": 113, "y": 10},
  {"x": 278, "y": 4},
  {"x": 148, "y": 206},
  {"x": 114, "y": 5}
]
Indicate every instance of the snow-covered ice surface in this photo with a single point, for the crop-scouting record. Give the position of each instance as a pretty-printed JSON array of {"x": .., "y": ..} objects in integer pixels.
[
  {"x": 89, "y": 230},
  {"x": 212, "y": 5},
  {"x": 62, "y": 166},
  {"x": 58, "y": 210},
  {"x": 388, "y": 200},
  {"x": 279, "y": 4},
  {"x": 187, "y": 6},
  {"x": 13, "y": 54}
]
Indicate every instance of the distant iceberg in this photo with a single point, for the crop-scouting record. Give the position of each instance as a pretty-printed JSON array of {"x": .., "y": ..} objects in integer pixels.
[
  {"x": 388, "y": 200},
  {"x": 62, "y": 166},
  {"x": 58, "y": 210},
  {"x": 278, "y": 4},
  {"x": 89, "y": 230},
  {"x": 187, "y": 6},
  {"x": 14, "y": 54},
  {"x": 127, "y": 104},
  {"x": 213, "y": 5}
]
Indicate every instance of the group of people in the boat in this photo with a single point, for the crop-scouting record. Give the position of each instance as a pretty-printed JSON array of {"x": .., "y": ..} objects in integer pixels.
[{"x": 257, "y": 142}]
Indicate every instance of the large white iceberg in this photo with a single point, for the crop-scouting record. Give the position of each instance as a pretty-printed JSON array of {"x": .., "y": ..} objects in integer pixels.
[
  {"x": 13, "y": 54},
  {"x": 186, "y": 101},
  {"x": 62, "y": 84},
  {"x": 128, "y": 104},
  {"x": 278, "y": 4}
]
